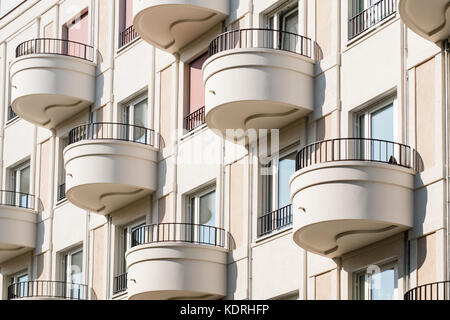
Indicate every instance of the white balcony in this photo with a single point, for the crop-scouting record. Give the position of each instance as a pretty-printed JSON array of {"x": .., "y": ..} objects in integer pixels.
[
  {"x": 258, "y": 78},
  {"x": 186, "y": 262},
  {"x": 18, "y": 219},
  {"x": 171, "y": 24},
  {"x": 345, "y": 198},
  {"x": 429, "y": 19},
  {"x": 110, "y": 165},
  {"x": 52, "y": 80}
]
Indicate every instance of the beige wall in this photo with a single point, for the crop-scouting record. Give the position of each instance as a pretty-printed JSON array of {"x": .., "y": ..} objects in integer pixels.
[
  {"x": 324, "y": 128},
  {"x": 104, "y": 7},
  {"x": 237, "y": 199},
  {"x": 323, "y": 286},
  {"x": 44, "y": 173},
  {"x": 98, "y": 263},
  {"x": 426, "y": 259},
  {"x": 166, "y": 106},
  {"x": 48, "y": 30},
  {"x": 165, "y": 209},
  {"x": 324, "y": 25},
  {"x": 425, "y": 112},
  {"x": 42, "y": 268}
]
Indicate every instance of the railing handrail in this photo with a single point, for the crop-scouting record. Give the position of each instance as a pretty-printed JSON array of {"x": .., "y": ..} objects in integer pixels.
[
  {"x": 371, "y": 8},
  {"x": 446, "y": 287},
  {"x": 86, "y": 46},
  {"x": 129, "y": 30},
  {"x": 50, "y": 289},
  {"x": 109, "y": 136},
  {"x": 18, "y": 204},
  {"x": 198, "y": 114},
  {"x": 120, "y": 283},
  {"x": 312, "y": 54},
  {"x": 167, "y": 235},
  {"x": 271, "y": 221},
  {"x": 412, "y": 164}
]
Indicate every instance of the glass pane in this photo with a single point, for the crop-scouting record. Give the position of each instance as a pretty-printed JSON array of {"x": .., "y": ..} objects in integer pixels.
[
  {"x": 286, "y": 169},
  {"x": 290, "y": 24},
  {"x": 267, "y": 186},
  {"x": 24, "y": 187},
  {"x": 382, "y": 128},
  {"x": 208, "y": 218},
  {"x": 384, "y": 285},
  {"x": 123, "y": 131},
  {"x": 77, "y": 275},
  {"x": 140, "y": 120},
  {"x": 23, "y": 285}
]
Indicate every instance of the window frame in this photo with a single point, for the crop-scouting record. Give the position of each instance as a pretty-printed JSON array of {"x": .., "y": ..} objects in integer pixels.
[
  {"x": 196, "y": 196},
  {"x": 274, "y": 180},
  {"x": 368, "y": 283},
  {"x": 63, "y": 142},
  {"x": 124, "y": 243}
]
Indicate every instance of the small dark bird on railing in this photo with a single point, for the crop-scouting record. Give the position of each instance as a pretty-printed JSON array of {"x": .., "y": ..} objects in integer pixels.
[{"x": 392, "y": 160}]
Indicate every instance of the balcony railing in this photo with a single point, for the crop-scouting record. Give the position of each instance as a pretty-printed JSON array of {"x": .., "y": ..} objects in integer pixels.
[
  {"x": 359, "y": 149},
  {"x": 127, "y": 35},
  {"x": 61, "y": 192},
  {"x": 114, "y": 131},
  {"x": 48, "y": 289},
  {"x": 431, "y": 291},
  {"x": 265, "y": 39},
  {"x": 120, "y": 283},
  {"x": 195, "y": 119},
  {"x": 370, "y": 17},
  {"x": 56, "y": 46},
  {"x": 180, "y": 232},
  {"x": 20, "y": 200},
  {"x": 275, "y": 221},
  {"x": 11, "y": 114}
]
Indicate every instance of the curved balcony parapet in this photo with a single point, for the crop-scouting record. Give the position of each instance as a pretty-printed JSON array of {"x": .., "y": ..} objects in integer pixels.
[
  {"x": 430, "y": 291},
  {"x": 56, "y": 46},
  {"x": 49, "y": 290},
  {"x": 259, "y": 38},
  {"x": 359, "y": 149}
]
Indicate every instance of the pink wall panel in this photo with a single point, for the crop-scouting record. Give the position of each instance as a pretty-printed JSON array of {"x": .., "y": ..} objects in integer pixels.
[{"x": 196, "y": 86}]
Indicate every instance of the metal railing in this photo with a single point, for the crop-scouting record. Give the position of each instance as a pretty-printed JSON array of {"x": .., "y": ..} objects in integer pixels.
[
  {"x": 11, "y": 114},
  {"x": 48, "y": 289},
  {"x": 370, "y": 17},
  {"x": 195, "y": 119},
  {"x": 61, "y": 191},
  {"x": 275, "y": 220},
  {"x": 359, "y": 149},
  {"x": 113, "y": 131},
  {"x": 127, "y": 35},
  {"x": 56, "y": 46},
  {"x": 20, "y": 200},
  {"x": 120, "y": 283},
  {"x": 180, "y": 232},
  {"x": 265, "y": 38},
  {"x": 430, "y": 291}
]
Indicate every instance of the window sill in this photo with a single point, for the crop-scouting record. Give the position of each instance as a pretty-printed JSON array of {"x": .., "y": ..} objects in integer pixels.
[
  {"x": 193, "y": 132},
  {"x": 126, "y": 46},
  {"x": 61, "y": 202},
  {"x": 11, "y": 121},
  {"x": 274, "y": 234},
  {"x": 376, "y": 27}
]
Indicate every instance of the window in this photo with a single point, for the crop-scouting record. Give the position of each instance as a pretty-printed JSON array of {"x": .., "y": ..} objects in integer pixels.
[
  {"x": 367, "y": 13},
  {"x": 195, "y": 114},
  {"x": 20, "y": 282},
  {"x": 377, "y": 283},
  {"x": 20, "y": 184},
  {"x": 127, "y": 32},
  {"x": 378, "y": 124},
  {"x": 77, "y": 31},
  {"x": 202, "y": 216},
  {"x": 72, "y": 274},
  {"x": 275, "y": 193},
  {"x": 124, "y": 244},
  {"x": 285, "y": 19},
  {"x": 63, "y": 142},
  {"x": 11, "y": 114},
  {"x": 135, "y": 114}
]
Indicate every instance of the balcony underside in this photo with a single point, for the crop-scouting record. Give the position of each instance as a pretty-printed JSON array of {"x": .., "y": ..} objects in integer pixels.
[
  {"x": 343, "y": 206},
  {"x": 105, "y": 175},
  {"x": 429, "y": 19},
  {"x": 257, "y": 89},
  {"x": 49, "y": 89},
  {"x": 17, "y": 231},
  {"x": 178, "y": 271},
  {"x": 172, "y": 24}
]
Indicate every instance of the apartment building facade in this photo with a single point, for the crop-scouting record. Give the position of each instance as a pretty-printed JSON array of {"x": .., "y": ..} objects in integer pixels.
[{"x": 224, "y": 149}]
